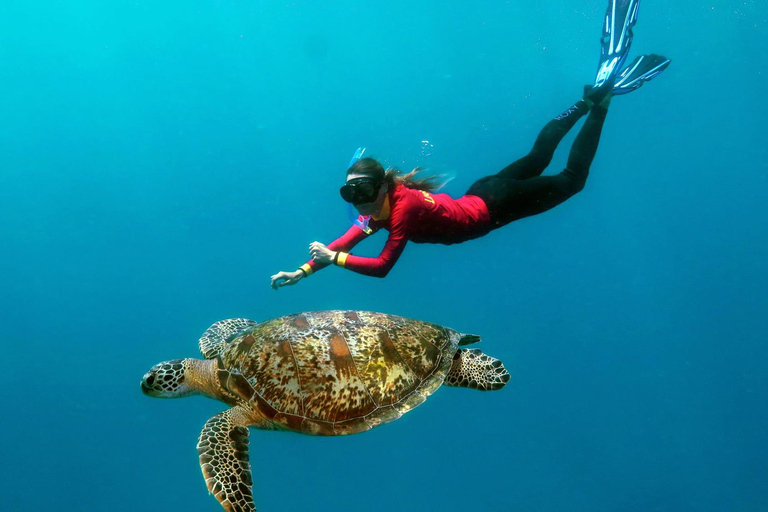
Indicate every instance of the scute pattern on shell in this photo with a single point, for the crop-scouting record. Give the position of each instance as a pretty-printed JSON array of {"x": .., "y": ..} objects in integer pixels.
[{"x": 337, "y": 372}]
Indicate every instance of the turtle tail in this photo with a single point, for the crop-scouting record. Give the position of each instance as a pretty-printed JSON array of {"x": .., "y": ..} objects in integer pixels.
[{"x": 472, "y": 368}]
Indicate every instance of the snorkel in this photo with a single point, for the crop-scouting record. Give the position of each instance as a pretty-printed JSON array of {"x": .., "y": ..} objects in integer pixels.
[{"x": 360, "y": 221}]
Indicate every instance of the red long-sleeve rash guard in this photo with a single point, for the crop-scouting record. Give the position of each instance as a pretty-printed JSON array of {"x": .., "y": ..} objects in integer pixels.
[{"x": 417, "y": 216}]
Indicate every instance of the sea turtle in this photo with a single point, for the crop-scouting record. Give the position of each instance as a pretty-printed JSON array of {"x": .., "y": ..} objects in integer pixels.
[{"x": 319, "y": 373}]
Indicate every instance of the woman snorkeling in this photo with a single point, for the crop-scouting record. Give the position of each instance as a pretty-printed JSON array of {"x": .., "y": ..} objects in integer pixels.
[{"x": 408, "y": 208}]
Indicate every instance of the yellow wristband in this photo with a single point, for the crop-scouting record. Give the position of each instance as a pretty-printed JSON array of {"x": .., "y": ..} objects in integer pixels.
[
  {"x": 306, "y": 269},
  {"x": 341, "y": 259}
]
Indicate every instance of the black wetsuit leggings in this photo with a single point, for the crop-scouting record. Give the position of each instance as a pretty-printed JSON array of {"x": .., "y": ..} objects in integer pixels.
[{"x": 519, "y": 190}]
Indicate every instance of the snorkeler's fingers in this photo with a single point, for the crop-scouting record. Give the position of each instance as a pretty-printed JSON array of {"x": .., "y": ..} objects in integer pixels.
[
  {"x": 316, "y": 246},
  {"x": 275, "y": 279}
]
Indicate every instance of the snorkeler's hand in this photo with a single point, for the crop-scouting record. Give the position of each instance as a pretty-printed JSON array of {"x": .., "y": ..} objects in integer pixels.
[
  {"x": 286, "y": 278},
  {"x": 320, "y": 253}
]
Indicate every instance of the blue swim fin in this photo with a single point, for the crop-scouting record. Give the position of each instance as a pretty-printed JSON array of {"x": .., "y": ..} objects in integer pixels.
[
  {"x": 642, "y": 69},
  {"x": 620, "y": 17}
]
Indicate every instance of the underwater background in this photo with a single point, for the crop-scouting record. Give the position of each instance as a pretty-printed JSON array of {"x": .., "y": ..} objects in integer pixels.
[{"x": 160, "y": 160}]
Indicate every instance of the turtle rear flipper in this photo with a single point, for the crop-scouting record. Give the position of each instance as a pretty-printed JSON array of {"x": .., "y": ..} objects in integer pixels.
[
  {"x": 213, "y": 340},
  {"x": 473, "y": 369},
  {"x": 223, "y": 450}
]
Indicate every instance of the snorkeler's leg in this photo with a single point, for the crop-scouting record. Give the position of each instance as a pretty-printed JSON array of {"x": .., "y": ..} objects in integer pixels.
[
  {"x": 585, "y": 146},
  {"x": 534, "y": 163},
  {"x": 516, "y": 199}
]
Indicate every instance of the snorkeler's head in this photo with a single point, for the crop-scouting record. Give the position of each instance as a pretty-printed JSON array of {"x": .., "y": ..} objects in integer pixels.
[
  {"x": 369, "y": 167},
  {"x": 364, "y": 180}
]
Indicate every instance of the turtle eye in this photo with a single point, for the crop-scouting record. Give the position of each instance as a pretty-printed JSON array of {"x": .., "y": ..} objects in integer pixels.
[{"x": 150, "y": 380}]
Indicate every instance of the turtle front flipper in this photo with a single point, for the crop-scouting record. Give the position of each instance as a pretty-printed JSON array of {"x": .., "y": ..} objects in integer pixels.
[
  {"x": 223, "y": 450},
  {"x": 468, "y": 339},
  {"x": 213, "y": 340},
  {"x": 473, "y": 369}
]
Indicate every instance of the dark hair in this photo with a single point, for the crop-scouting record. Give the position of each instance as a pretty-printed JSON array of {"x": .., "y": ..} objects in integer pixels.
[{"x": 371, "y": 167}]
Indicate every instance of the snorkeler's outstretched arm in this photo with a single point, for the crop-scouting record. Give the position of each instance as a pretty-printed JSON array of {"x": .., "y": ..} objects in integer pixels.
[{"x": 322, "y": 256}]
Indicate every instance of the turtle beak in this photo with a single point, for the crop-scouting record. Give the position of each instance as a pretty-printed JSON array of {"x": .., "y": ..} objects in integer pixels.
[{"x": 146, "y": 383}]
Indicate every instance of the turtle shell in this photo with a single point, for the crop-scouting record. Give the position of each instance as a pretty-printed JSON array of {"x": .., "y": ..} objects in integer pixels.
[{"x": 336, "y": 372}]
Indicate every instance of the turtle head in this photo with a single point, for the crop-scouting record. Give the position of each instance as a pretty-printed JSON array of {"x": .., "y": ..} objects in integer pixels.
[{"x": 167, "y": 380}]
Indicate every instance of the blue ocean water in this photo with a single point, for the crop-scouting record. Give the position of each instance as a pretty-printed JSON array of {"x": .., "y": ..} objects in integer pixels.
[{"x": 159, "y": 161}]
